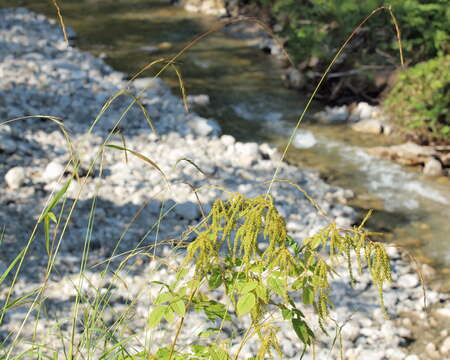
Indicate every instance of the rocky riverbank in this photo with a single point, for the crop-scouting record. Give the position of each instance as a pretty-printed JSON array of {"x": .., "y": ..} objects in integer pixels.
[
  {"x": 41, "y": 76},
  {"x": 362, "y": 117}
]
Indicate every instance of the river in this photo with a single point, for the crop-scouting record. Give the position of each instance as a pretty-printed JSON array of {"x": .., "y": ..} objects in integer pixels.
[{"x": 249, "y": 101}]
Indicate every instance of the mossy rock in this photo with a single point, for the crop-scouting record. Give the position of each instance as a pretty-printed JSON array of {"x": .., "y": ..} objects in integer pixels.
[{"x": 419, "y": 101}]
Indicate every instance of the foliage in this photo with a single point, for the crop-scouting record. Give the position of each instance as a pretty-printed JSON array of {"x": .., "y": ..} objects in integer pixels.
[
  {"x": 420, "y": 99},
  {"x": 226, "y": 254},
  {"x": 318, "y": 27}
]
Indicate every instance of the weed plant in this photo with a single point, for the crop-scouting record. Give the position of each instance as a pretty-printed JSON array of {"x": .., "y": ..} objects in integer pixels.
[{"x": 223, "y": 251}]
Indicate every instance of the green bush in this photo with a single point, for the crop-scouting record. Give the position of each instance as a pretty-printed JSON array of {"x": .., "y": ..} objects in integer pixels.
[{"x": 419, "y": 101}]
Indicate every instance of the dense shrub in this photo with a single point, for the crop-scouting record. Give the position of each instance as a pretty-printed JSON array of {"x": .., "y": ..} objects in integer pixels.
[{"x": 420, "y": 100}]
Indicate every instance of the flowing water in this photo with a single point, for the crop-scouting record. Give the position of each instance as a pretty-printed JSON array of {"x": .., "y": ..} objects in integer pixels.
[{"x": 249, "y": 101}]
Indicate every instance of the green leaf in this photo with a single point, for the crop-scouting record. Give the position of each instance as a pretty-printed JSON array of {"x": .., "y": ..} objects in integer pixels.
[
  {"x": 308, "y": 295},
  {"x": 261, "y": 292},
  {"x": 164, "y": 297},
  {"x": 163, "y": 354},
  {"x": 276, "y": 285},
  {"x": 160, "y": 283},
  {"x": 169, "y": 314},
  {"x": 217, "y": 353},
  {"x": 179, "y": 307},
  {"x": 55, "y": 200},
  {"x": 245, "y": 288},
  {"x": 213, "y": 310},
  {"x": 208, "y": 332},
  {"x": 52, "y": 217},
  {"x": 299, "y": 283},
  {"x": 193, "y": 284},
  {"x": 215, "y": 279},
  {"x": 182, "y": 274},
  {"x": 245, "y": 304},
  {"x": 286, "y": 313},
  {"x": 302, "y": 330},
  {"x": 156, "y": 316}
]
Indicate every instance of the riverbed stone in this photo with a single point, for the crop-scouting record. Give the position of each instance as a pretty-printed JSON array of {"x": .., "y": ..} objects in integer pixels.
[
  {"x": 53, "y": 171},
  {"x": 333, "y": 115},
  {"x": 445, "y": 347},
  {"x": 228, "y": 140},
  {"x": 407, "y": 154},
  {"x": 188, "y": 210},
  {"x": 15, "y": 177},
  {"x": 203, "y": 127},
  {"x": 432, "y": 167},
  {"x": 443, "y": 313},
  {"x": 7, "y": 144},
  {"x": 351, "y": 331},
  {"x": 395, "y": 354},
  {"x": 370, "y": 126},
  {"x": 294, "y": 78},
  {"x": 408, "y": 281},
  {"x": 432, "y": 351},
  {"x": 198, "y": 100},
  {"x": 412, "y": 357}
]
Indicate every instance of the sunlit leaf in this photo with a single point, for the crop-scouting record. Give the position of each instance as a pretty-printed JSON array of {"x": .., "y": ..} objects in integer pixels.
[
  {"x": 156, "y": 316},
  {"x": 179, "y": 307},
  {"x": 245, "y": 304}
]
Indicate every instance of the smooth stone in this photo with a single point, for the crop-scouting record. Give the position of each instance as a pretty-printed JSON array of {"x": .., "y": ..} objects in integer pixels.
[
  {"x": 188, "y": 210},
  {"x": 432, "y": 167},
  {"x": 7, "y": 145},
  {"x": 203, "y": 127},
  {"x": 365, "y": 110},
  {"x": 149, "y": 83},
  {"x": 427, "y": 271},
  {"x": 15, "y": 177},
  {"x": 395, "y": 354},
  {"x": 432, "y": 351},
  {"x": 408, "y": 281},
  {"x": 294, "y": 78},
  {"x": 351, "y": 331},
  {"x": 304, "y": 140},
  {"x": 443, "y": 312},
  {"x": 228, "y": 140},
  {"x": 369, "y": 126},
  {"x": 334, "y": 115},
  {"x": 53, "y": 171},
  {"x": 412, "y": 357},
  {"x": 445, "y": 347},
  {"x": 200, "y": 100},
  {"x": 404, "y": 332},
  {"x": 248, "y": 149}
]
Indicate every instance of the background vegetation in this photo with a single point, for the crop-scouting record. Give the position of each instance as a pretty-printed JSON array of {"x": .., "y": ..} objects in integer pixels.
[
  {"x": 420, "y": 99},
  {"x": 315, "y": 29}
]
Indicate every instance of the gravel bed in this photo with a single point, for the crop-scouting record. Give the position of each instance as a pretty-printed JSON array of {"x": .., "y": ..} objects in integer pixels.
[{"x": 41, "y": 76}]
